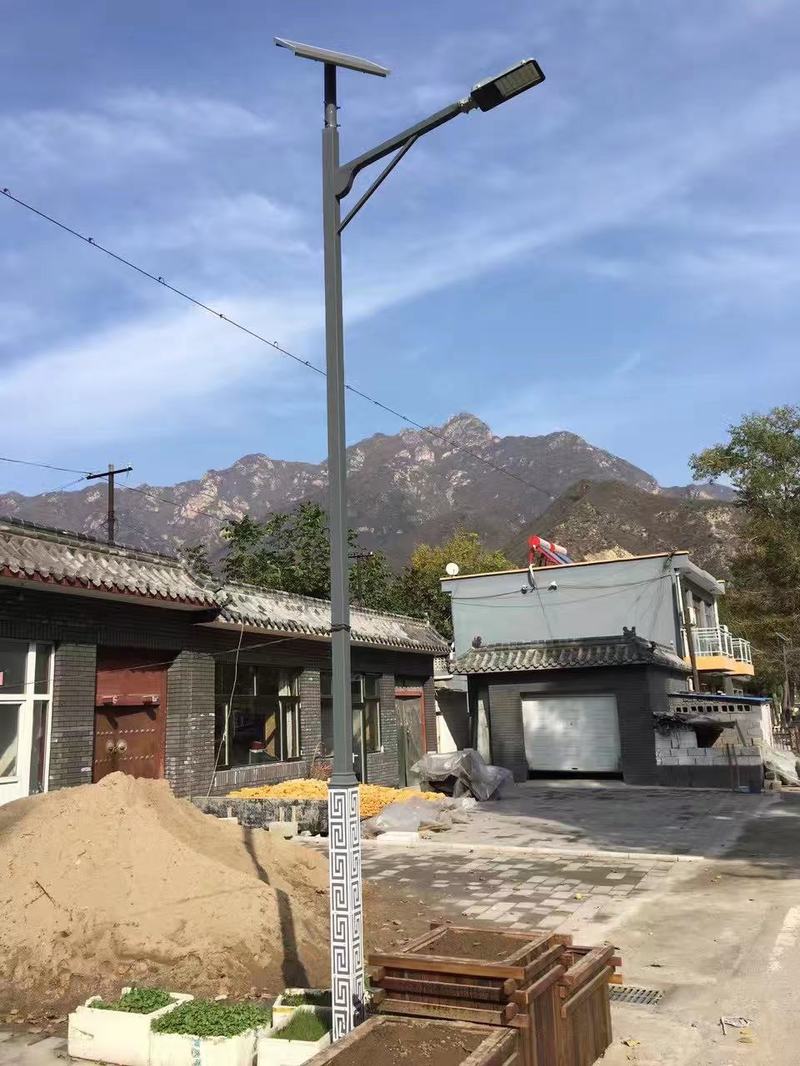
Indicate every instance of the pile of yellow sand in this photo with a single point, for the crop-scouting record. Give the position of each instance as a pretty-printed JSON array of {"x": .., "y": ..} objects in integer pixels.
[
  {"x": 373, "y": 797},
  {"x": 120, "y": 881}
]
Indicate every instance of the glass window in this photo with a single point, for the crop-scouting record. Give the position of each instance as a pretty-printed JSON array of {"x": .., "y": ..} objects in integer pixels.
[
  {"x": 372, "y": 713},
  {"x": 13, "y": 657},
  {"x": 9, "y": 734},
  {"x": 261, "y": 723}
]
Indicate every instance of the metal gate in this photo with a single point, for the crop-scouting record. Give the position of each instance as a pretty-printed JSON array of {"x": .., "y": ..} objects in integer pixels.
[
  {"x": 411, "y": 742},
  {"x": 130, "y": 713},
  {"x": 572, "y": 733}
]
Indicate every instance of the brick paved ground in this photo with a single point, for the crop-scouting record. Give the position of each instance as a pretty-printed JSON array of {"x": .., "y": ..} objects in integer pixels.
[{"x": 611, "y": 817}]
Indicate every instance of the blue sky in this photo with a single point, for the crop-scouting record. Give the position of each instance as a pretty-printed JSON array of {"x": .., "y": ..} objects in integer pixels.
[{"x": 615, "y": 253}]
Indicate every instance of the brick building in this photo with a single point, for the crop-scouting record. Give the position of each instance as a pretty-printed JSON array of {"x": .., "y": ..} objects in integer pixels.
[{"x": 111, "y": 658}]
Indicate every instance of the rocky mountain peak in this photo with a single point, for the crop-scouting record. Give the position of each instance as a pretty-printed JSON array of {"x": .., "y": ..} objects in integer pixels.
[{"x": 467, "y": 428}]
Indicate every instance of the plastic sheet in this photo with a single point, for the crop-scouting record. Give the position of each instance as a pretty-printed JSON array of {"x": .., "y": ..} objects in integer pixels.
[
  {"x": 464, "y": 773},
  {"x": 410, "y": 816},
  {"x": 783, "y": 765}
]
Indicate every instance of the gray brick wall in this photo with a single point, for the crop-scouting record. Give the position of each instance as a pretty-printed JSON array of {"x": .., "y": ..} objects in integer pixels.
[
  {"x": 77, "y": 625},
  {"x": 72, "y": 715},
  {"x": 190, "y": 749},
  {"x": 639, "y": 691}
]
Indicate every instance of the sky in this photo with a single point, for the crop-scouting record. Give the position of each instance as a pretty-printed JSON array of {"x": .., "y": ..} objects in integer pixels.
[{"x": 615, "y": 253}]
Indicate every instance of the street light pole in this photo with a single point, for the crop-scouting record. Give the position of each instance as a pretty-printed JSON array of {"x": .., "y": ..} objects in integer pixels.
[{"x": 344, "y": 824}]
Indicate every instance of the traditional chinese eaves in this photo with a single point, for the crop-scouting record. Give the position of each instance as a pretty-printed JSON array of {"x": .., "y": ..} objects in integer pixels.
[
  {"x": 286, "y": 612},
  {"x": 54, "y": 559},
  {"x": 565, "y": 655},
  {"x": 49, "y": 557}
]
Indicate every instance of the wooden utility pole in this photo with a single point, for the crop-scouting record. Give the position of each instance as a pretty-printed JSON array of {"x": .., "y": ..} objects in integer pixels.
[
  {"x": 110, "y": 474},
  {"x": 689, "y": 627}
]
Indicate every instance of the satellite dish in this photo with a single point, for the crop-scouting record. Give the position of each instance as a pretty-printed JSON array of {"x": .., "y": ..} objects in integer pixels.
[{"x": 452, "y": 569}]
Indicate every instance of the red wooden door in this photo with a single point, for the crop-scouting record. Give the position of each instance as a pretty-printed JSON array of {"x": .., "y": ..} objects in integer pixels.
[{"x": 130, "y": 713}]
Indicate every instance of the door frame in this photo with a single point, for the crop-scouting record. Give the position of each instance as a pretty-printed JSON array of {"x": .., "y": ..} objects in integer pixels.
[{"x": 160, "y": 664}]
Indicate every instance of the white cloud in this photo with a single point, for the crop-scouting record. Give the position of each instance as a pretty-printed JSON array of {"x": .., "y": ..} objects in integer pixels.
[
  {"x": 132, "y": 125},
  {"x": 158, "y": 374}
]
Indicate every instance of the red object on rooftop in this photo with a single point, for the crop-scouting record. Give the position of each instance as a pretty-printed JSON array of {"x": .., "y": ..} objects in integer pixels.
[{"x": 543, "y": 552}]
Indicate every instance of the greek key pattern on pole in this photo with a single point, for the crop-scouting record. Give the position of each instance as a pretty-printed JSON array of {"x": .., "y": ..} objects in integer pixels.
[{"x": 347, "y": 932}]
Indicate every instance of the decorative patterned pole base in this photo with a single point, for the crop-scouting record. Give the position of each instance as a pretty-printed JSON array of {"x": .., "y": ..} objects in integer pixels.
[{"x": 347, "y": 920}]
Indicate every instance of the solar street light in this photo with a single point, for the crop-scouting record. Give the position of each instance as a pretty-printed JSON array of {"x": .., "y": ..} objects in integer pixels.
[
  {"x": 518, "y": 79},
  {"x": 347, "y": 933}
]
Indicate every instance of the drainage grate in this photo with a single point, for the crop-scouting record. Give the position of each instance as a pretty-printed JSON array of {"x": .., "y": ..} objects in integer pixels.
[{"x": 640, "y": 997}]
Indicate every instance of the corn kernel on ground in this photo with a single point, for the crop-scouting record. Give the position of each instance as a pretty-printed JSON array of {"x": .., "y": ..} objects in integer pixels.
[{"x": 373, "y": 797}]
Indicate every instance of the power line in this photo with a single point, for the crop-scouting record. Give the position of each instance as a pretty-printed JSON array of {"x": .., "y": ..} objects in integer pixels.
[
  {"x": 159, "y": 280},
  {"x": 43, "y": 466}
]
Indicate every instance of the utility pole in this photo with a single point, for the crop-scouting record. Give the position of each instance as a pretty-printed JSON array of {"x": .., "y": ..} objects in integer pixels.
[{"x": 110, "y": 474}]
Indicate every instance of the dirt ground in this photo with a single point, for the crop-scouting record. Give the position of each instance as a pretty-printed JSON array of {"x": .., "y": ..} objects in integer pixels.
[{"x": 119, "y": 883}]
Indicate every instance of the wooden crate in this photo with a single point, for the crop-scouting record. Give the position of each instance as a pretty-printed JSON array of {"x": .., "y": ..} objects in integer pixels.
[
  {"x": 517, "y": 990},
  {"x": 554, "y": 992},
  {"x": 585, "y": 1009},
  {"x": 497, "y": 1047}
]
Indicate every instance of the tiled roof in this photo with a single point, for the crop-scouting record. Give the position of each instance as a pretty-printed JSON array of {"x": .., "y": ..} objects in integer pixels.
[
  {"x": 69, "y": 560},
  {"x": 286, "y": 612},
  {"x": 566, "y": 655},
  {"x": 33, "y": 553}
]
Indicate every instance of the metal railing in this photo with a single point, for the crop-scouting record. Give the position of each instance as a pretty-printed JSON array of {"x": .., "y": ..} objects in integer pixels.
[{"x": 717, "y": 640}]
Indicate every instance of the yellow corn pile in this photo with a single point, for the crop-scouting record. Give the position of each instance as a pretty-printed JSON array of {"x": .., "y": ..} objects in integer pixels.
[{"x": 373, "y": 797}]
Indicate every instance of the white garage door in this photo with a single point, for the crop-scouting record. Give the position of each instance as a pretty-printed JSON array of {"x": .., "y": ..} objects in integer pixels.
[{"x": 571, "y": 733}]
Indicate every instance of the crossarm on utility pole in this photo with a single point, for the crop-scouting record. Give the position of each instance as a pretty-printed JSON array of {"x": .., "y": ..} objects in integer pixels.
[{"x": 348, "y": 171}]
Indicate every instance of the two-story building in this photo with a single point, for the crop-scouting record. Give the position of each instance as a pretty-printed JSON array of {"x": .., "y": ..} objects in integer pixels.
[{"x": 569, "y": 668}]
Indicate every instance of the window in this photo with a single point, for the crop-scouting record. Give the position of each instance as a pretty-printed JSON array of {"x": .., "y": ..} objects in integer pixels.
[
  {"x": 25, "y": 690},
  {"x": 365, "y": 696},
  {"x": 261, "y": 723}
]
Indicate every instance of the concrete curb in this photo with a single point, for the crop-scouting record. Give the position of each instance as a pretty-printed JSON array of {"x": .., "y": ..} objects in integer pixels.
[{"x": 550, "y": 853}]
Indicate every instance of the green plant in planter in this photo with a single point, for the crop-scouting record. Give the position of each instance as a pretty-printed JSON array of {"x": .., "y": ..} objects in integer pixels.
[
  {"x": 136, "y": 1001},
  {"x": 202, "y": 1017},
  {"x": 308, "y": 998},
  {"x": 303, "y": 1026}
]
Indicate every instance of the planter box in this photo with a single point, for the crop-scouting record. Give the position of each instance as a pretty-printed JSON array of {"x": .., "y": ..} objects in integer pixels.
[
  {"x": 275, "y": 1052},
  {"x": 584, "y": 1007},
  {"x": 114, "y": 1035},
  {"x": 554, "y": 993},
  {"x": 385, "y": 1040},
  {"x": 282, "y": 1012},
  {"x": 179, "y": 1049}
]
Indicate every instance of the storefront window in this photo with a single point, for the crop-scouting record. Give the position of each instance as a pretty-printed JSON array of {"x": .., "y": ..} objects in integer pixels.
[{"x": 257, "y": 715}]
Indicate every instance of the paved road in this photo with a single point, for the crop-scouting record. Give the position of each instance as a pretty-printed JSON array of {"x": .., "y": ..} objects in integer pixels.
[
  {"x": 518, "y": 890},
  {"x": 722, "y": 941},
  {"x": 612, "y": 817}
]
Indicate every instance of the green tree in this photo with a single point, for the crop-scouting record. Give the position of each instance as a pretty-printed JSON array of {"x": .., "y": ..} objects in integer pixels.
[
  {"x": 762, "y": 460},
  {"x": 195, "y": 556},
  {"x": 291, "y": 551},
  {"x": 418, "y": 592}
]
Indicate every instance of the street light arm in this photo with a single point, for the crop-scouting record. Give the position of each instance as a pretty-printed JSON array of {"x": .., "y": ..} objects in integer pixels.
[
  {"x": 384, "y": 174},
  {"x": 347, "y": 172}
]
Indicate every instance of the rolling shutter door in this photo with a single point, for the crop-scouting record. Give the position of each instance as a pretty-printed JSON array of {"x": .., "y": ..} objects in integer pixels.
[{"x": 571, "y": 733}]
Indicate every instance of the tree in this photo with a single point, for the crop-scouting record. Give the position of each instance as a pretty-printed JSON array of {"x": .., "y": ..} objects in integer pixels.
[
  {"x": 291, "y": 551},
  {"x": 195, "y": 556},
  {"x": 762, "y": 460},
  {"x": 418, "y": 591}
]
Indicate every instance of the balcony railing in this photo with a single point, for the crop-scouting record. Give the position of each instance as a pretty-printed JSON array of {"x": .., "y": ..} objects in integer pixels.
[{"x": 717, "y": 641}]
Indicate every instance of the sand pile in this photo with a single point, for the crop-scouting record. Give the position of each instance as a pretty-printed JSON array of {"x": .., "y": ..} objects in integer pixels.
[{"x": 120, "y": 880}]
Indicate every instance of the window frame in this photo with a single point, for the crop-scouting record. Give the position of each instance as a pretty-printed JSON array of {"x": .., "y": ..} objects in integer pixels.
[
  {"x": 288, "y": 712},
  {"x": 26, "y": 701}
]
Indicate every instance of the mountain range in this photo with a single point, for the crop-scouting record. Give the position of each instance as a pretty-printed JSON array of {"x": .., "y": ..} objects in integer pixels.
[{"x": 420, "y": 485}]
